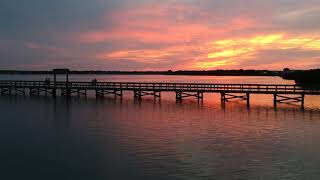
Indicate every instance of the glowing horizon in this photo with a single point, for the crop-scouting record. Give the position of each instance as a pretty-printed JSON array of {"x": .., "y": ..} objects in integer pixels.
[{"x": 146, "y": 35}]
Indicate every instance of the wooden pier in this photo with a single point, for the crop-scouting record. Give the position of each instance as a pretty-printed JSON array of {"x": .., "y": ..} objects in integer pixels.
[{"x": 281, "y": 93}]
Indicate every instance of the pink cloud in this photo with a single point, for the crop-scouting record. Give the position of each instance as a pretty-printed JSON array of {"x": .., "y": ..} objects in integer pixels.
[
  {"x": 163, "y": 24},
  {"x": 185, "y": 36}
]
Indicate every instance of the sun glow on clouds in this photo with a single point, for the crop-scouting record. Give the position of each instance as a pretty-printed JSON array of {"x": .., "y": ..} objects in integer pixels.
[
  {"x": 146, "y": 56},
  {"x": 223, "y": 53},
  {"x": 235, "y": 48},
  {"x": 229, "y": 52},
  {"x": 215, "y": 64},
  {"x": 162, "y": 35},
  {"x": 270, "y": 41},
  {"x": 168, "y": 34},
  {"x": 176, "y": 37}
]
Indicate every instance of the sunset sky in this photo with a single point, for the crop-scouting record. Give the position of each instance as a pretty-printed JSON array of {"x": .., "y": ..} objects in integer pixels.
[{"x": 159, "y": 34}]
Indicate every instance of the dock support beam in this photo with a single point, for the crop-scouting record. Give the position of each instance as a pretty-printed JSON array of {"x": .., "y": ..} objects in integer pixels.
[
  {"x": 69, "y": 92},
  {"x": 102, "y": 93},
  {"x": 39, "y": 91},
  {"x": 15, "y": 91},
  {"x": 288, "y": 100},
  {"x": 81, "y": 92},
  {"x": 180, "y": 95},
  {"x": 227, "y": 97},
  {"x": 138, "y": 94}
]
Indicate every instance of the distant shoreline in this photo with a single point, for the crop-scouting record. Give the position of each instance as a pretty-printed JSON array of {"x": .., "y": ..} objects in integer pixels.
[
  {"x": 303, "y": 77},
  {"x": 187, "y": 73}
]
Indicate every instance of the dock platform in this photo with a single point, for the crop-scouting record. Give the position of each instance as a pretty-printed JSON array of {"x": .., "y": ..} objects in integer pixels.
[{"x": 281, "y": 93}]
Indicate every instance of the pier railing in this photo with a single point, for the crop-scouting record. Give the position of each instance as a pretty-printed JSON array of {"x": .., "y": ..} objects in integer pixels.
[{"x": 192, "y": 87}]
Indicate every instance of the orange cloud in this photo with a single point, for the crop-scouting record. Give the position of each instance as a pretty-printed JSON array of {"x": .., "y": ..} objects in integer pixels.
[
  {"x": 213, "y": 64},
  {"x": 146, "y": 56},
  {"x": 233, "y": 52},
  {"x": 222, "y": 53}
]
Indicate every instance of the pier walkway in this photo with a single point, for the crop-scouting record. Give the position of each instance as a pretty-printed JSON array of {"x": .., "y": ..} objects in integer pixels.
[{"x": 281, "y": 93}]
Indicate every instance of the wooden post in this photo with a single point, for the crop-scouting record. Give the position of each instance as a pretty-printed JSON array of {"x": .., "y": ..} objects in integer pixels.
[
  {"x": 15, "y": 88},
  {"x": 156, "y": 94},
  {"x": 67, "y": 77},
  {"x": 67, "y": 85},
  {"x": 223, "y": 97},
  {"x": 54, "y": 91},
  {"x": 302, "y": 101},
  {"x": 248, "y": 100},
  {"x": 178, "y": 95},
  {"x": 223, "y": 100},
  {"x": 97, "y": 94},
  {"x": 137, "y": 94},
  {"x": 275, "y": 100}
]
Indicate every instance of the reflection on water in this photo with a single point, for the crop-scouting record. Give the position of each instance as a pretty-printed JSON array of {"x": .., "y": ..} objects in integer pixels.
[{"x": 80, "y": 138}]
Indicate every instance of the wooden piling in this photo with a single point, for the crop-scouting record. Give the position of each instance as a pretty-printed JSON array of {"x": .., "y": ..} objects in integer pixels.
[
  {"x": 302, "y": 101},
  {"x": 275, "y": 100},
  {"x": 248, "y": 100}
]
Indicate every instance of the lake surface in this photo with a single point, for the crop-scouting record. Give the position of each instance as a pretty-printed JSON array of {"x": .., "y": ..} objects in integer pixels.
[{"x": 86, "y": 138}]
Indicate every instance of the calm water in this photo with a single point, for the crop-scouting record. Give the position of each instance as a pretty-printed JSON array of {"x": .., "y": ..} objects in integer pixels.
[{"x": 85, "y": 138}]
